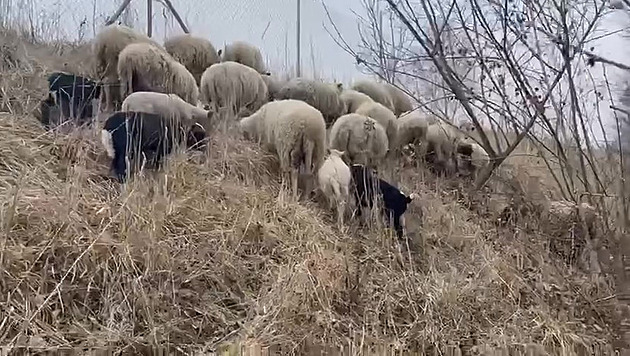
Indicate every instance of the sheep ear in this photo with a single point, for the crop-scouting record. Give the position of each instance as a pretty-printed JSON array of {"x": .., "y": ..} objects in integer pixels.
[
  {"x": 219, "y": 52},
  {"x": 340, "y": 86}
]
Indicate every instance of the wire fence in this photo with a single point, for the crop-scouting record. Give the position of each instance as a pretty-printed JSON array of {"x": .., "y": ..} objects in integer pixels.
[{"x": 271, "y": 25}]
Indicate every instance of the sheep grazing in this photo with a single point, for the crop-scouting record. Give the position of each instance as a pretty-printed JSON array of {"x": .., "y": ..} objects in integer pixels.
[
  {"x": 195, "y": 53},
  {"x": 473, "y": 159},
  {"x": 273, "y": 86},
  {"x": 244, "y": 53},
  {"x": 158, "y": 69},
  {"x": 168, "y": 105},
  {"x": 385, "y": 118},
  {"x": 325, "y": 97},
  {"x": 353, "y": 99},
  {"x": 293, "y": 130},
  {"x": 375, "y": 91},
  {"x": 400, "y": 100},
  {"x": 107, "y": 45},
  {"x": 73, "y": 94},
  {"x": 334, "y": 181},
  {"x": 125, "y": 135},
  {"x": 363, "y": 140},
  {"x": 441, "y": 147},
  {"x": 412, "y": 130},
  {"x": 234, "y": 86},
  {"x": 367, "y": 187}
]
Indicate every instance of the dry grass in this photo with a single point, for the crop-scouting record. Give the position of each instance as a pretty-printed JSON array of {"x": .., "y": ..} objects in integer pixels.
[{"x": 205, "y": 257}]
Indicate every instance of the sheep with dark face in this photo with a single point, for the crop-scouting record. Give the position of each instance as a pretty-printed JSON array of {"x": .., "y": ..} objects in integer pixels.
[
  {"x": 73, "y": 94},
  {"x": 367, "y": 187},
  {"x": 127, "y": 134}
]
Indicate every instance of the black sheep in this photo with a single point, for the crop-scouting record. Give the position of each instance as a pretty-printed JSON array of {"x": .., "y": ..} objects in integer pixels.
[
  {"x": 76, "y": 91},
  {"x": 394, "y": 201},
  {"x": 148, "y": 134}
]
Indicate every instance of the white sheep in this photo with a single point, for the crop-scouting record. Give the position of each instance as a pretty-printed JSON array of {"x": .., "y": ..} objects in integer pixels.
[
  {"x": 441, "y": 146},
  {"x": 474, "y": 157},
  {"x": 412, "y": 130},
  {"x": 376, "y": 91},
  {"x": 325, "y": 97},
  {"x": 384, "y": 117},
  {"x": 400, "y": 100},
  {"x": 244, "y": 53},
  {"x": 234, "y": 86},
  {"x": 293, "y": 130},
  {"x": 167, "y": 105},
  {"x": 334, "y": 179},
  {"x": 195, "y": 53},
  {"x": 363, "y": 140},
  {"x": 353, "y": 99},
  {"x": 158, "y": 69},
  {"x": 274, "y": 85},
  {"x": 106, "y": 47}
]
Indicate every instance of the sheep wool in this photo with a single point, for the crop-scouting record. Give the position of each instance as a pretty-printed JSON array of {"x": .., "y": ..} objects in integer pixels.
[
  {"x": 400, "y": 100},
  {"x": 442, "y": 141},
  {"x": 167, "y": 105},
  {"x": 375, "y": 91},
  {"x": 353, "y": 99},
  {"x": 244, "y": 53},
  {"x": 273, "y": 86},
  {"x": 158, "y": 69},
  {"x": 234, "y": 86},
  {"x": 295, "y": 132},
  {"x": 334, "y": 179},
  {"x": 384, "y": 117},
  {"x": 325, "y": 97},
  {"x": 362, "y": 139},
  {"x": 412, "y": 128},
  {"x": 106, "y": 47},
  {"x": 195, "y": 53}
]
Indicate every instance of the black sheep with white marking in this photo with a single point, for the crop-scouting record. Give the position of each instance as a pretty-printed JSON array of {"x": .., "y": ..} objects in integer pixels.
[
  {"x": 149, "y": 134},
  {"x": 394, "y": 204},
  {"x": 74, "y": 94}
]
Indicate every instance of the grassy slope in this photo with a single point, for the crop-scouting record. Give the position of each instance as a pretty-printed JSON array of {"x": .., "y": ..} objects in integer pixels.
[{"x": 210, "y": 256}]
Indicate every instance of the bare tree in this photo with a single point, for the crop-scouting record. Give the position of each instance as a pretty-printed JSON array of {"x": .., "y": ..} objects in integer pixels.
[{"x": 521, "y": 68}]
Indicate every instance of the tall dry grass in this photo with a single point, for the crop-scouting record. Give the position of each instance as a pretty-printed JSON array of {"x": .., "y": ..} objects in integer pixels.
[{"x": 204, "y": 257}]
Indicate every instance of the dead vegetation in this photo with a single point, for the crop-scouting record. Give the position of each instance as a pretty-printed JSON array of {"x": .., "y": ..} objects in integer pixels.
[{"x": 205, "y": 257}]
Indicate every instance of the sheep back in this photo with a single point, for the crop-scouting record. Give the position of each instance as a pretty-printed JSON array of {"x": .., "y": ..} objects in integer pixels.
[
  {"x": 400, "y": 100},
  {"x": 233, "y": 85},
  {"x": 362, "y": 139},
  {"x": 244, "y": 53},
  {"x": 325, "y": 97},
  {"x": 195, "y": 53},
  {"x": 167, "y": 105},
  {"x": 375, "y": 91},
  {"x": 384, "y": 117},
  {"x": 353, "y": 99}
]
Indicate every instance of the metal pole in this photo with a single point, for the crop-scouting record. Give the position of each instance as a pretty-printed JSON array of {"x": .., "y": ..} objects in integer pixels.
[
  {"x": 149, "y": 18},
  {"x": 298, "y": 65}
]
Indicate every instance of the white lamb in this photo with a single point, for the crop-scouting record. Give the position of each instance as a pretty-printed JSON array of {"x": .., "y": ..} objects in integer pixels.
[{"x": 334, "y": 181}]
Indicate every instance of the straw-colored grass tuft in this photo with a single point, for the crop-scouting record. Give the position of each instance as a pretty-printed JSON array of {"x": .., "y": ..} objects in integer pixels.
[{"x": 204, "y": 256}]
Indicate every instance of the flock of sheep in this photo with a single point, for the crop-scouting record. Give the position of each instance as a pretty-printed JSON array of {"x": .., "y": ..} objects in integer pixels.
[{"x": 339, "y": 137}]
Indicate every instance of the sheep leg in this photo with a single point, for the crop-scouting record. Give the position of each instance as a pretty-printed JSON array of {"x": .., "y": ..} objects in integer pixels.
[
  {"x": 294, "y": 173},
  {"x": 119, "y": 165},
  {"x": 398, "y": 226}
]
